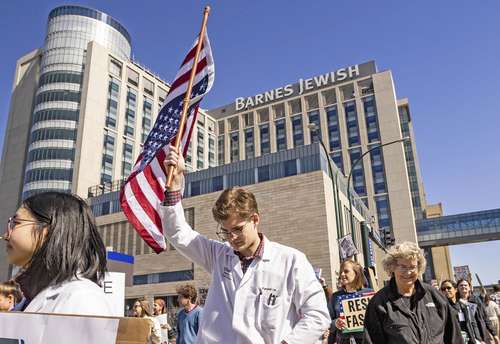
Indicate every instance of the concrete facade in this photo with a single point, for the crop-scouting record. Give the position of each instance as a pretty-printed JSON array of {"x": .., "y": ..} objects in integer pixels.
[{"x": 356, "y": 108}]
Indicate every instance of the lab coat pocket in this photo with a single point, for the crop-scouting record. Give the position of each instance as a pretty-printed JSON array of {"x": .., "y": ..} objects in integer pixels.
[{"x": 270, "y": 314}]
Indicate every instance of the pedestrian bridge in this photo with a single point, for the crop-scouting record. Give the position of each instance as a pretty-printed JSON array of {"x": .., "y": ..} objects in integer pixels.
[{"x": 459, "y": 229}]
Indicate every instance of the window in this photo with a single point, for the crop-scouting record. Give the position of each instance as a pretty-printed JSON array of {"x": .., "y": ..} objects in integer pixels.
[
  {"x": 248, "y": 119},
  {"x": 148, "y": 86},
  {"x": 263, "y": 173},
  {"x": 329, "y": 97},
  {"x": 295, "y": 106},
  {"x": 347, "y": 92},
  {"x": 312, "y": 102},
  {"x": 65, "y": 77},
  {"x": 314, "y": 119},
  {"x": 220, "y": 150},
  {"x": 383, "y": 212},
  {"x": 290, "y": 167},
  {"x": 127, "y": 157},
  {"x": 279, "y": 110},
  {"x": 378, "y": 172},
  {"x": 53, "y": 134},
  {"x": 107, "y": 157},
  {"x": 333, "y": 128},
  {"x": 371, "y": 119},
  {"x": 280, "y": 135},
  {"x": 235, "y": 146},
  {"x": 366, "y": 87},
  {"x": 221, "y": 127},
  {"x": 132, "y": 77},
  {"x": 51, "y": 154},
  {"x": 217, "y": 183},
  {"x": 40, "y": 174},
  {"x": 249, "y": 144},
  {"x": 263, "y": 115},
  {"x": 352, "y": 123},
  {"x": 147, "y": 118},
  {"x": 195, "y": 188},
  {"x": 358, "y": 175},
  {"x": 55, "y": 96},
  {"x": 55, "y": 114},
  {"x": 265, "y": 146},
  {"x": 298, "y": 131},
  {"x": 337, "y": 159},
  {"x": 211, "y": 151},
  {"x": 162, "y": 94},
  {"x": 115, "y": 67},
  {"x": 234, "y": 123},
  {"x": 130, "y": 113}
]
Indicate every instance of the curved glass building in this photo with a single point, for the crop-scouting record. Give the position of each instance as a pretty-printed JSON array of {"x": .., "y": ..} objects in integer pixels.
[{"x": 56, "y": 113}]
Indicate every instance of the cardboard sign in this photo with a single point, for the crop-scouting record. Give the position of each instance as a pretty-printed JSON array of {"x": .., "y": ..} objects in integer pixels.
[
  {"x": 352, "y": 310},
  {"x": 38, "y": 328}
]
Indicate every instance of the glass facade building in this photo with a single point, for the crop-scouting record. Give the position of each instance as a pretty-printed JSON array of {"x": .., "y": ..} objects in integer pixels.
[{"x": 57, "y": 102}]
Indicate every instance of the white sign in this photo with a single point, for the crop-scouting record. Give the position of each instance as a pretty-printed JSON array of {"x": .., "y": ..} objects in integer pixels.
[
  {"x": 31, "y": 328},
  {"x": 114, "y": 290},
  {"x": 347, "y": 247},
  {"x": 304, "y": 85}
]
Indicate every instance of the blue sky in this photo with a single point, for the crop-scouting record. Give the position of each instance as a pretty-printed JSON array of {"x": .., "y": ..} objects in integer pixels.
[{"x": 444, "y": 56}]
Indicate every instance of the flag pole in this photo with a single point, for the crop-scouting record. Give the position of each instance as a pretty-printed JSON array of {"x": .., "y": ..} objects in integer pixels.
[{"x": 187, "y": 97}]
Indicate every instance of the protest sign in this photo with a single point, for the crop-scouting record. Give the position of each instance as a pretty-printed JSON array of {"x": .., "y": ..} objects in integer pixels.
[
  {"x": 352, "y": 310},
  {"x": 347, "y": 247}
]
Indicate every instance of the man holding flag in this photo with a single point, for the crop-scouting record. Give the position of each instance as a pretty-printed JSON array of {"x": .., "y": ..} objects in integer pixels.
[{"x": 261, "y": 292}]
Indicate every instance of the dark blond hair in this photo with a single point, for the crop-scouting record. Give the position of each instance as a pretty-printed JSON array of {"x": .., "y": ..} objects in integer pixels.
[
  {"x": 359, "y": 280},
  {"x": 11, "y": 288},
  {"x": 235, "y": 201}
]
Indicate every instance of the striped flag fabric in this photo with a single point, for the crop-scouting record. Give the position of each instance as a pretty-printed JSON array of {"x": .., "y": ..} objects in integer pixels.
[{"x": 143, "y": 191}]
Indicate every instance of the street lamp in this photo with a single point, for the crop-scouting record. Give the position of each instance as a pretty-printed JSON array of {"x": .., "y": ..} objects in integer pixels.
[
  {"x": 349, "y": 178},
  {"x": 314, "y": 128}
]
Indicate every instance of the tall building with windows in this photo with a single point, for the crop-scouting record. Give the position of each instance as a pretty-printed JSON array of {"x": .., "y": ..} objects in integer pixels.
[
  {"x": 353, "y": 110},
  {"x": 80, "y": 111}
]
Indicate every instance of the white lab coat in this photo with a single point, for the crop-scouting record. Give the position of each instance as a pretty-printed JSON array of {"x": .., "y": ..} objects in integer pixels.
[
  {"x": 278, "y": 298},
  {"x": 78, "y": 297}
]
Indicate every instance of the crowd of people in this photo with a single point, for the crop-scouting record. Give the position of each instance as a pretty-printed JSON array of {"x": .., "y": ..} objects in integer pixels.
[{"x": 261, "y": 291}]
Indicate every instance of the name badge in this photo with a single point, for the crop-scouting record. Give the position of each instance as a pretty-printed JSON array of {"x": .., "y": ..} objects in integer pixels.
[{"x": 461, "y": 316}]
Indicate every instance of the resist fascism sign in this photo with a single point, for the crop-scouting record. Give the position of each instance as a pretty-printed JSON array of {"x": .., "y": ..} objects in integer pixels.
[{"x": 352, "y": 310}]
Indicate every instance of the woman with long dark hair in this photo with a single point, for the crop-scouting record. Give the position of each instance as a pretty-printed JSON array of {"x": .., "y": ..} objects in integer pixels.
[
  {"x": 53, "y": 238},
  {"x": 468, "y": 325}
]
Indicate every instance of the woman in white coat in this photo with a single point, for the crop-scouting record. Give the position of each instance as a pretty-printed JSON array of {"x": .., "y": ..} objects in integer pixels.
[{"x": 53, "y": 238}]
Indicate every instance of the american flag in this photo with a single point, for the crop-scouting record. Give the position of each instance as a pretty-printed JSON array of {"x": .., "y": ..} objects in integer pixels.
[{"x": 143, "y": 192}]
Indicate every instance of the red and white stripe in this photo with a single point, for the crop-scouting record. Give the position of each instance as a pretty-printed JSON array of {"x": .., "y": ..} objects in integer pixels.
[{"x": 143, "y": 192}]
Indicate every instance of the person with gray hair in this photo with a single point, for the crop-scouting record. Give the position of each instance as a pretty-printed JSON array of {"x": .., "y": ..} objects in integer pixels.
[{"x": 408, "y": 310}]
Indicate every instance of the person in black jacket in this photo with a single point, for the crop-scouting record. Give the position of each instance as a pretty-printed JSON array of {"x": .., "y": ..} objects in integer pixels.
[
  {"x": 477, "y": 306},
  {"x": 468, "y": 325},
  {"x": 407, "y": 310}
]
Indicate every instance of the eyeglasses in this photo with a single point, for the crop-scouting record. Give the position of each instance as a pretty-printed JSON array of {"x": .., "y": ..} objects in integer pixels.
[
  {"x": 407, "y": 269},
  {"x": 446, "y": 288},
  {"x": 225, "y": 234},
  {"x": 14, "y": 222}
]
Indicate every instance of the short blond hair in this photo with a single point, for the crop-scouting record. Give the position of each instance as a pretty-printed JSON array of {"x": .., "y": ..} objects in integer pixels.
[{"x": 405, "y": 250}]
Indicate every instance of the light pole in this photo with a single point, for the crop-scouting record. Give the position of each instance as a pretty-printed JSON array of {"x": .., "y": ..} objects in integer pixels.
[
  {"x": 351, "y": 217},
  {"x": 314, "y": 128}
]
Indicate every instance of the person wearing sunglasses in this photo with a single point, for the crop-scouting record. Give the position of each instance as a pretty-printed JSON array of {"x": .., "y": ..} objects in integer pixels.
[
  {"x": 53, "y": 238},
  {"x": 468, "y": 325},
  {"x": 408, "y": 310},
  {"x": 261, "y": 292}
]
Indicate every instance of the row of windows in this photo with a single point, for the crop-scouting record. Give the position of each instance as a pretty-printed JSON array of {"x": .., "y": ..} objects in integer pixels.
[
  {"x": 247, "y": 177},
  {"x": 51, "y": 154},
  {"x": 164, "y": 277},
  {"x": 67, "y": 77},
  {"x": 53, "y": 134},
  {"x": 48, "y": 174},
  {"x": 90, "y": 13},
  {"x": 54, "y": 96},
  {"x": 56, "y": 114}
]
